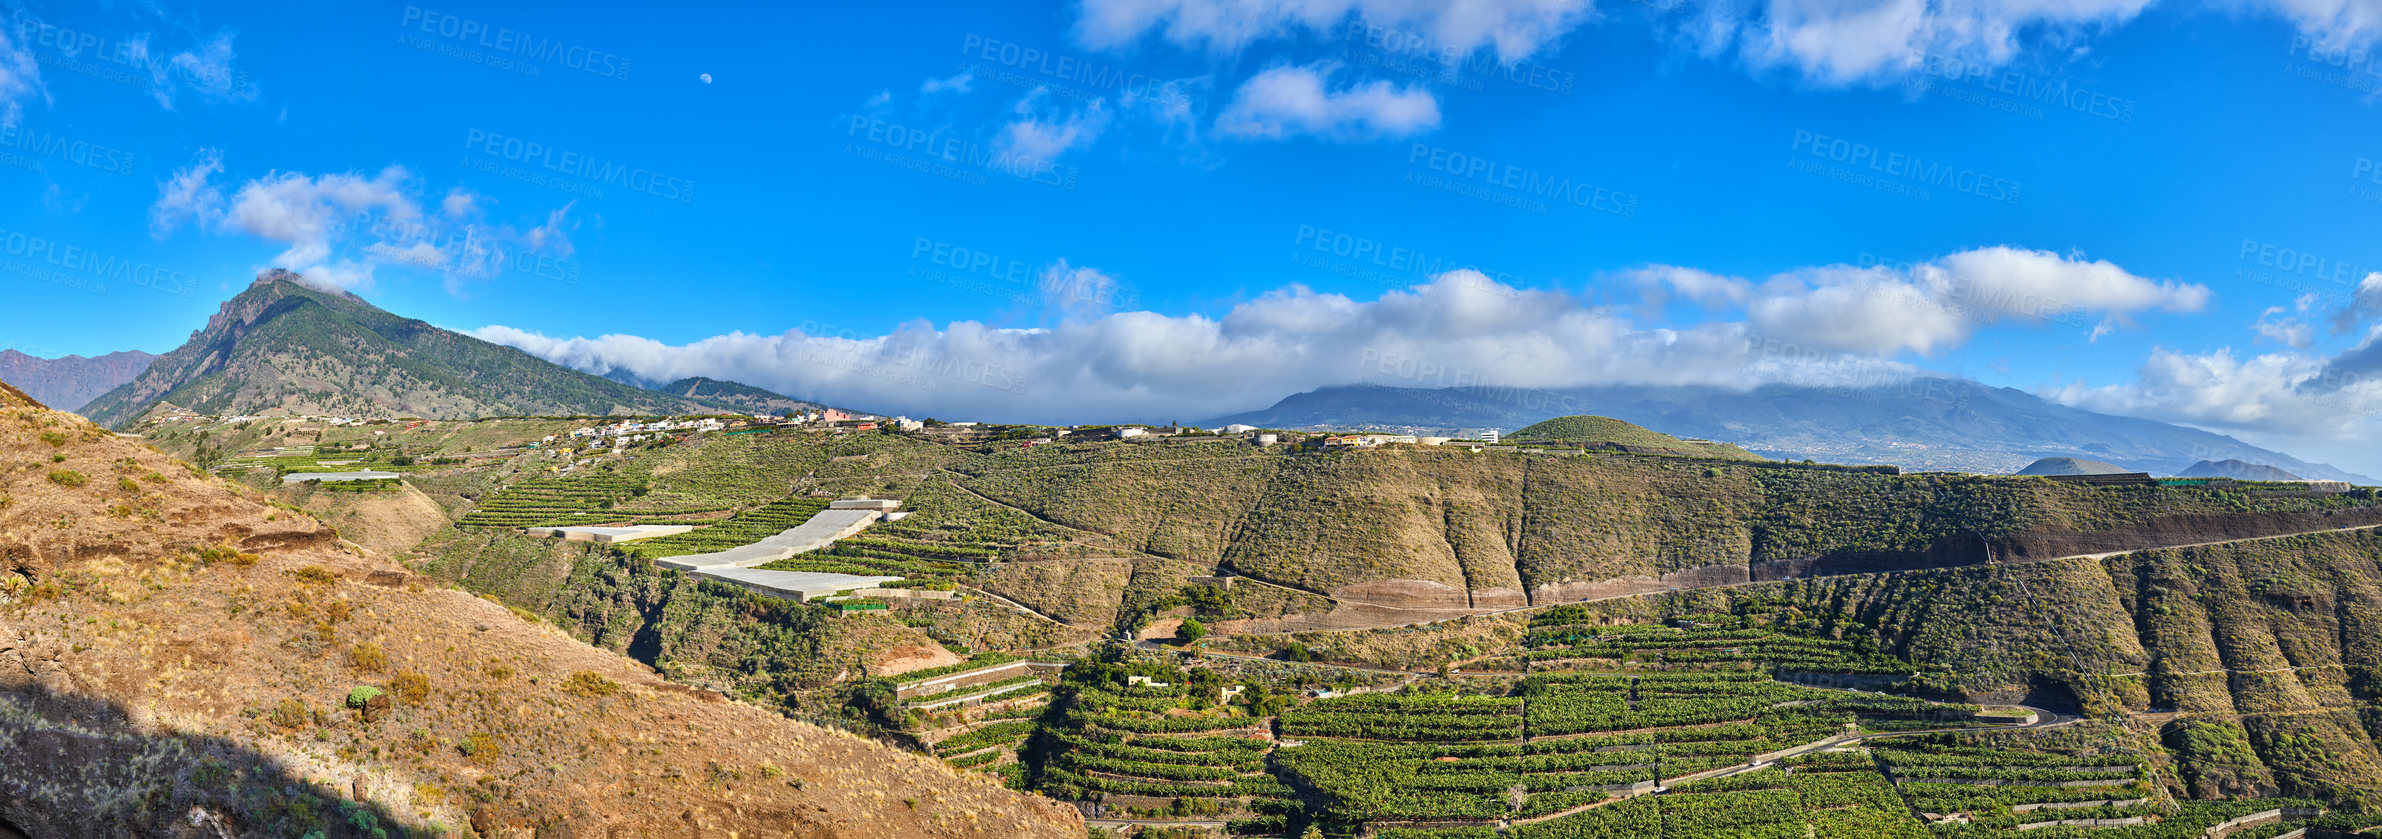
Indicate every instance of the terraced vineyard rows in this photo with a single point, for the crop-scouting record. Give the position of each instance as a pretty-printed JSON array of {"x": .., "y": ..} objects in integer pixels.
[
  {"x": 1554, "y": 754},
  {"x": 592, "y": 499}
]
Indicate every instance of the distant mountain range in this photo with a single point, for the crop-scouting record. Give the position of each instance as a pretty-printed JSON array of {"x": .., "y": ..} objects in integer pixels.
[
  {"x": 283, "y": 346},
  {"x": 1928, "y": 424},
  {"x": 741, "y": 398},
  {"x": 68, "y": 382}
]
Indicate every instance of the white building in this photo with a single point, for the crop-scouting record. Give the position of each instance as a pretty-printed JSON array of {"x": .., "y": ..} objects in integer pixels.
[{"x": 1237, "y": 428}]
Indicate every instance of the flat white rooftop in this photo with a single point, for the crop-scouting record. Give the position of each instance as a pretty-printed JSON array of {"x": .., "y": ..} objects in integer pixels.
[
  {"x": 793, "y": 585},
  {"x": 610, "y": 535},
  {"x": 821, "y": 530},
  {"x": 366, "y": 475}
]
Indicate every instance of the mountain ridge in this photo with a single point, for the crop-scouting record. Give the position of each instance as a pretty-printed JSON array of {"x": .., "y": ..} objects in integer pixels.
[
  {"x": 1928, "y": 424},
  {"x": 736, "y": 396},
  {"x": 69, "y": 382},
  {"x": 284, "y": 346}
]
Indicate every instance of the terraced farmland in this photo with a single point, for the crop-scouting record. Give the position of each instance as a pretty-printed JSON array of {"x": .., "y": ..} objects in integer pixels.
[
  {"x": 1658, "y": 732},
  {"x": 591, "y": 499},
  {"x": 741, "y": 529}
]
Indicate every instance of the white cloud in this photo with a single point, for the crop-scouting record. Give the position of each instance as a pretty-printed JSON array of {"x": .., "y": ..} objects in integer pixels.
[
  {"x": 1703, "y": 288},
  {"x": 1932, "y": 306},
  {"x": 2334, "y": 25},
  {"x": 1850, "y": 41},
  {"x": 1834, "y": 42},
  {"x": 337, "y": 229},
  {"x": 2289, "y": 332},
  {"x": 2285, "y": 393},
  {"x": 2365, "y": 303},
  {"x": 958, "y": 83},
  {"x": 187, "y": 195},
  {"x": 459, "y": 203},
  {"x": 552, "y": 237},
  {"x": 2292, "y": 329},
  {"x": 205, "y": 70},
  {"x": 308, "y": 213},
  {"x": 1076, "y": 292},
  {"x": 1516, "y": 29},
  {"x": 1460, "y": 329},
  {"x": 1842, "y": 42},
  {"x": 20, "y": 79},
  {"x": 1288, "y": 101},
  {"x": 1825, "y": 326},
  {"x": 1036, "y": 138},
  {"x": 1863, "y": 310}
]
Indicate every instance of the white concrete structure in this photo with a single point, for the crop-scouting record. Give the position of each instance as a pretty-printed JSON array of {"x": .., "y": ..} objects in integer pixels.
[
  {"x": 1237, "y": 428},
  {"x": 610, "y": 535},
  {"x": 820, "y": 531},
  {"x": 882, "y": 505},
  {"x": 333, "y": 477},
  {"x": 793, "y": 585}
]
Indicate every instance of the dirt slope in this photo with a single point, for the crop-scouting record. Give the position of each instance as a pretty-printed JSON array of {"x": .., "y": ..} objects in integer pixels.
[
  {"x": 176, "y": 658},
  {"x": 384, "y": 524}
]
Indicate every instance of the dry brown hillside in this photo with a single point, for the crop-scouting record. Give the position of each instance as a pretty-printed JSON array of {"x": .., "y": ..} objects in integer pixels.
[
  {"x": 10, "y": 397},
  {"x": 178, "y": 658}
]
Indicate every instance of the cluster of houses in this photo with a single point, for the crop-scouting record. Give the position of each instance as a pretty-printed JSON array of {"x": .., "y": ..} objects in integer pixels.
[
  {"x": 969, "y": 433},
  {"x": 630, "y": 431}
]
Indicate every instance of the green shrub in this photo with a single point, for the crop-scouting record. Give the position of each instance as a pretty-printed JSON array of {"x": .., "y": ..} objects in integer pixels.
[
  {"x": 361, "y": 694},
  {"x": 67, "y": 478}
]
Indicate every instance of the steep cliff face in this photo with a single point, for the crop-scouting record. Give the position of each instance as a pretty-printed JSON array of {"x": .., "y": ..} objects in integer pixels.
[
  {"x": 2275, "y": 643},
  {"x": 1447, "y": 529},
  {"x": 2257, "y": 663}
]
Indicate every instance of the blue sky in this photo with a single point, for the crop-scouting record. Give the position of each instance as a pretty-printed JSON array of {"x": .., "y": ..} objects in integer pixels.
[{"x": 1112, "y": 210}]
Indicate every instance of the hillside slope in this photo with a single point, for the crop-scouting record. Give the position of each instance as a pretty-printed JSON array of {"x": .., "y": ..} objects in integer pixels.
[
  {"x": 2253, "y": 661},
  {"x": 1925, "y": 424},
  {"x": 1432, "y": 527},
  {"x": 2237, "y": 470},
  {"x": 1595, "y": 431},
  {"x": 68, "y": 382},
  {"x": 2070, "y": 466},
  {"x": 281, "y": 346},
  {"x": 176, "y": 654}
]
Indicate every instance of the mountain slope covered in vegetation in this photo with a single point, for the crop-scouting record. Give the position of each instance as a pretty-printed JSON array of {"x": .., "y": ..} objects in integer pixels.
[{"x": 283, "y": 346}]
